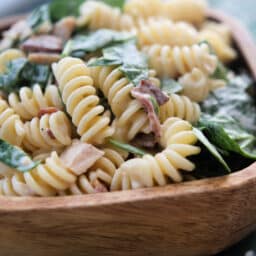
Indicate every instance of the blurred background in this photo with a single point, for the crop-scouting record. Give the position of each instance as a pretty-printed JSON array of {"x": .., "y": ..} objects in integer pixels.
[{"x": 242, "y": 10}]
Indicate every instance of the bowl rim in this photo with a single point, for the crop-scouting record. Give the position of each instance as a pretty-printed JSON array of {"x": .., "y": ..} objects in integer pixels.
[{"x": 236, "y": 180}]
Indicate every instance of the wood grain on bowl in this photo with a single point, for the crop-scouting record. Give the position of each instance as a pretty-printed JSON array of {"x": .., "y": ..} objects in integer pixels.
[{"x": 195, "y": 218}]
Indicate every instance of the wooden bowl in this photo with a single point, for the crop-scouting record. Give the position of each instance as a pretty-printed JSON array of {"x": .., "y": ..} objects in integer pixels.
[{"x": 194, "y": 218}]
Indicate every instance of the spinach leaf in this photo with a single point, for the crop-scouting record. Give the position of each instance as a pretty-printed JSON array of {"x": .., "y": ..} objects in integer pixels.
[
  {"x": 15, "y": 158},
  {"x": 234, "y": 101},
  {"x": 84, "y": 44},
  {"x": 10, "y": 80},
  {"x": 228, "y": 135},
  {"x": 127, "y": 147},
  {"x": 211, "y": 148},
  {"x": 170, "y": 86},
  {"x": 39, "y": 18},
  {"x": 63, "y": 8},
  {"x": 132, "y": 62},
  {"x": 22, "y": 73},
  {"x": 220, "y": 73}
]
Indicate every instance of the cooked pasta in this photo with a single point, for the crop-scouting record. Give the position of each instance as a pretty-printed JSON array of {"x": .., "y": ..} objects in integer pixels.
[
  {"x": 192, "y": 11},
  {"x": 180, "y": 106},
  {"x": 47, "y": 132},
  {"x": 172, "y": 62},
  {"x": 99, "y": 15},
  {"x": 165, "y": 32},
  {"x": 102, "y": 171},
  {"x": 11, "y": 127},
  {"x": 45, "y": 180},
  {"x": 144, "y": 8},
  {"x": 28, "y": 102},
  {"x": 223, "y": 49},
  {"x": 197, "y": 85},
  {"x": 7, "y": 56},
  {"x": 151, "y": 170},
  {"x": 117, "y": 89},
  {"x": 81, "y": 101}
]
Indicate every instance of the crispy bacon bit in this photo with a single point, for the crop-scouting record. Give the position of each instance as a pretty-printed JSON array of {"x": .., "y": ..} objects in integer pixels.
[
  {"x": 145, "y": 100},
  {"x": 79, "y": 157},
  {"x": 64, "y": 28},
  {"x": 43, "y": 43},
  {"x": 48, "y": 110},
  {"x": 148, "y": 87},
  {"x": 43, "y": 58},
  {"x": 144, "y": 140},
  {"x": 99, "y": 187},
  {"x": 50, "y": 134}
]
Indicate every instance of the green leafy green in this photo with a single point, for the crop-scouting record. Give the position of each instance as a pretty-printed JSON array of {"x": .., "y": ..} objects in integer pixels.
[
  {"x": 84, "y": 44},
  {"x": 9, "y": 81},
  {"x": 170, "y": 86},
  {"x": 22, "y": 73},
  {"x": 63, "y": 8},
  {"x": 39, "y": 17},
  {"x": 211, "y": 148},
  {"x": 234, "y": 101},
  {"x": 226, "y": 134},
  {"x": 15, "y": 158},
  {"x": 127, "y": 147},
  {"x": 221, "y": 72},
  {"x": 132, "y": 62}
]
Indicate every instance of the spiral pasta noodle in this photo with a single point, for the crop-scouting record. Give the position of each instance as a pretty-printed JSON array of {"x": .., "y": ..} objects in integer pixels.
[
  {"x": 28, "y": 102},
  {"x": 180, "y": 106},
  {"x": 154, "y": 170},
  {"x": 165, "y": 32},
  {"x": 117, "y": 89},
  {"x": 99, "y": 15},
  {"x": 7, "y": 56},
  {"x": 47, "y": 132},
  {"x": 81, "y": 101},
  {"x": 45, "y": 180},
  {"x": 172, "y": 62},
  {"x": 11, "y": 127},
  {"x": 102, "y": 171}
]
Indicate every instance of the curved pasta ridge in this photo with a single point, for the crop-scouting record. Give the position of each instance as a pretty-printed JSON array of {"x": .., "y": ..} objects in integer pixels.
[
  {"x": 82, "y": 103},
  {"x": 28, "y": 102},
  {"x": 47, "y": 132},
  {"x": 45, "y": 180},
  {"x": 178, "y": 140}
]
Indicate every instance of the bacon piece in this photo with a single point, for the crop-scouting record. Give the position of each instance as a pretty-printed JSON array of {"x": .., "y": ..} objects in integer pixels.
[
  {"x": 64, "y": 28},
  {"x": 79, "y": 157},
  {"x": 43, "y": 58},
  {"x": 43, "y": 43},
  {"x": 147, "y": 87},
  {"x": 48, "y": 110},
  {"x": 146, "y": 102}
]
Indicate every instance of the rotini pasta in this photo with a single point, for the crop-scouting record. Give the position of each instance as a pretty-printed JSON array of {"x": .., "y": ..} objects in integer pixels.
[
  {"x": 172, "y": 62},
  {"x": 99, "y": 15},
  {"x": 82, "y": 103},
  {"x": 223, "y": 50},
  {"x": 45, "y": 180},
  {"x": 197, "y": 85},
  {"x": 154, "y": 170},
  {"x": 102, "y": 171},
  {"x": 117, "y": 89},
  {"x": 7, "y": 56},
  {"x": 165, "y": 32},
  {"x": 28, "y": 102},
  {"x": 180, "y": 106},
  {"x": 11, "y": 127},
  {"x": 47, "y": 132}
]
